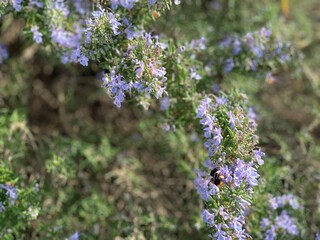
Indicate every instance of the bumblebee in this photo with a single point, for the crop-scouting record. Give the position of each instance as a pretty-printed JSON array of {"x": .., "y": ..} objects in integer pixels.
[
  {"x": 217, "y": 177},
  {"x": 101, "y": 2}
]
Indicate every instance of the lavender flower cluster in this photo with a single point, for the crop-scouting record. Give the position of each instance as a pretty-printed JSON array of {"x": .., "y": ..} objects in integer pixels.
[
  {"x": 231, "y": 145},
  {"x": 137, "y": 65},
  {"x": 16, "y": 4},
  {"x": 257, "y": 47},
  {"x": 129, "y": 56},
  {"x": 128, "y": 4},
  {"x": 132, "y": 60},
  {"x": 281, "y": 224},
  {"x": 12, "y": 194},
  {"x": 4, "y": 54}
]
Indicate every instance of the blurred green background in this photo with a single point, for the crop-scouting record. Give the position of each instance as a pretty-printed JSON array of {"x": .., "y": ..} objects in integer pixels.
[{"x": 113, "y": 172}]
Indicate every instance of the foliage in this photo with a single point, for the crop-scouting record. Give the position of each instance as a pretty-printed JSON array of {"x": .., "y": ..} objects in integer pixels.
[{"x": 75, "y": 167}]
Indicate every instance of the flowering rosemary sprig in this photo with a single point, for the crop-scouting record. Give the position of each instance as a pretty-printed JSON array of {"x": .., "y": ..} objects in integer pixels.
[{"x": 226, "y": 181}]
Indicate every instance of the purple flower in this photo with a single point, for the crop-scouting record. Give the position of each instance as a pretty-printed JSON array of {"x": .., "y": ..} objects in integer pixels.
[
  {"x": 37, "y": 36},
  {"x": 293, "y": 202},
  {"x": 64, "y": 38},
  {"x": 3, "y": 53},
  {"x": 226, "y": 172},
  {"x": 198, "y": 44},
  {"x": 83, "y": 60},
  {"x": 217, "y": 137},
  {"x": 74, "y": 236},
  {"x": 236, "y": 224},
  {"x": 201, "y": 43},
  {"x": 204, "y": 187},
  {"x": 215, "y": 88},
  {"x": 228, "y": 65},
  {"x": 181, "y": 49},
  {"x": 207, "y": 217},
  {"x": 114, "y": 23},
  {"x": 270, "y": 234},
  {"x": 119, "y": 98},
  {"x": 225, "y": 42},
  {"x": 281, "y": 201},
  {"x": 282, "y": 223},
  {"x": 243, "y": 204},
  {"x": 232, "y": 119},
  {"x": 208, "y": 163},
  {"x": 220, "y": 234},
  {"x": 2, "y": 208},
  {"x": 157, "y": 71},
  {"x": 81, "y": 7},
  {"x": 148, "y": 38},
  {"x": 140, "y": 70},
  {"x": 211, "y": 147},
  {"x": 265, "y": 222},
  {"x": 17, "y": 5},
  {"x": 223, "y": 213},
  {"x": 273, "y": 203},
  {"x": 166, "y": 127},
  {"x": 253, "y": 65},
  {"x": 131, "y": 33},
  {"x": 65, "y": 58},
  {"x": 220, "y": 101},
  {"x": 164, "y": 103},
  {"x": 264, "y": 32},
  {"x": 237, "y": 48},
  {"x": 11, "y": 192},
  {"x": 249, "y": 39},
  {"x": 159, "y": 91},
  {"x": 75, "y": 54},
  {"x": 204, "y": 107},
  {"x": 97, "y": 14},
  {"x": 125, "y": 3},
  {"x": 256, "y": 50},
  {"x": 241, "y": 235},
  {"x": 60, "y": 6},
  {"x": 208, "y": 121},
  {"x": 251, "y": 114},
  {"x": 117, "y": 87},
  {"x": 284, "y": 57},
  {"x": 258, "y": 154},
  {"x": 201, "y": 184},
  {"x": 194, "y": 74},
  {"x": 252, "y": 175},
  {"x": 285, "y": 222},
  {"x": 35, "y": 3},
  {"x": 213, "y": 189},
  {"x": 239, "y": 172}
]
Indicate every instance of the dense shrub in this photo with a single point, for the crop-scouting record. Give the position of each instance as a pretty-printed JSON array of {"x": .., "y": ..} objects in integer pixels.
[{"x": 176, "y": 155}]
